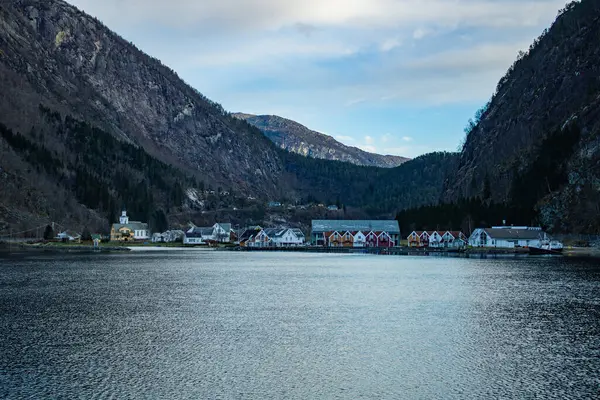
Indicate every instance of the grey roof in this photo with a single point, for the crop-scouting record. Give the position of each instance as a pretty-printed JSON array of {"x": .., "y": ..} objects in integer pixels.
[
  {"x": 298, "y": 232},
  {"x": 275, "y": 232},
  {"x": 390, "y": 226},
  {"x": 200, "y": 232},
  {"x": 248, "y": 233},
  {"x": 133, "y": 225},
  {"x": 514, "y": 234},
  {"x": 226, "y": 226}
]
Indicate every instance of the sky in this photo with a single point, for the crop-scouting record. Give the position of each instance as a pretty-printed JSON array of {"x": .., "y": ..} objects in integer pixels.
[{"x": 395, "y": 77}]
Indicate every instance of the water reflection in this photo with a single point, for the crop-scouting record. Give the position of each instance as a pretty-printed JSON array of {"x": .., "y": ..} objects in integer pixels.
[{"x": 231, "y": 325}]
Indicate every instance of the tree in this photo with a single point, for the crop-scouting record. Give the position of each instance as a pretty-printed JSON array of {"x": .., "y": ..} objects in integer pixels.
[
  {"x": 487, "y": 188},
  {"x": 86, "y": 235},
  {"x": 48, "y": 233},
  {"x": 159, "y": 221}
]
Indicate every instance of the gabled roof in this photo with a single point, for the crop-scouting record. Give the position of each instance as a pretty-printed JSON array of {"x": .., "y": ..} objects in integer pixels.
[
  {"x": 390, "y": 226},
  {"x": 226, "y": 226},
  {"x": 133, "y": 225},
  {"x": 247, "y": 234},
  {"x": 514, "y": 234},
  {"x": 275, "y": 232},
  {"x": 298, "y": 232},
  {"x": 198, "y": 231},
  {"x": 456, "y": 234}
]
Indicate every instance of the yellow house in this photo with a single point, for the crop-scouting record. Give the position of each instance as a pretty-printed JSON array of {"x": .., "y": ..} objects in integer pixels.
[{"x": 127, "y": 230}]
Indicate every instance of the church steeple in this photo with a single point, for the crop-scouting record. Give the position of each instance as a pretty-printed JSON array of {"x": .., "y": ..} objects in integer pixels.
[{"x": 124, "y": 220}]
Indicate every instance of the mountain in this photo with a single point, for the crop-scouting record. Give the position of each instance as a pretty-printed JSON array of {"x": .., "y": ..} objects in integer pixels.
[
  {"x": 90, "y": 124},
  {"x": 55, "y": 55},
  {"x": 297, "y": 138},
  {"x": 536, "y": 144}
]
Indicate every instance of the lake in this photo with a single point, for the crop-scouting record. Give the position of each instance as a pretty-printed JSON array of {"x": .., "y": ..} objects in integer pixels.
[{"x": 239, "y": 325}]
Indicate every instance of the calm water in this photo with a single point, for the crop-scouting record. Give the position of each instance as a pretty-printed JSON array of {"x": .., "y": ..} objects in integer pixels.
[{"x": 196, "y": 325}]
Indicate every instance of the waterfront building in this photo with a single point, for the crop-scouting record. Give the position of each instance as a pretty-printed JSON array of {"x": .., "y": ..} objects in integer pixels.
[
  {"x": 437, "y": 239},
  {"x": 414, "y": 239},
  {"x": 127, "y": 230},
  {"x": 276, "y": 237},
  {"x": 454, "y": 239},
  {"x": 248, "y": 235},
  {"x": 68, "y": 236},
  {"x": 355, "y": 233},
  {"x": 509, "y": 237},
  {"x": 218, "y": 233}
]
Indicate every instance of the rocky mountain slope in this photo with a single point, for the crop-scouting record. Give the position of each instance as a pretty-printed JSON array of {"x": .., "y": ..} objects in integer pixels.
[
  {"x": 89, "y": 124},
  {"x": 536, "y": 144},
  {"x": 54, "y": 55},
  {"x": 297, "y": 138}
]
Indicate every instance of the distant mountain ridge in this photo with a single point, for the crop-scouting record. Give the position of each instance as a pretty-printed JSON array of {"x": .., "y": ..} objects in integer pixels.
[{"x": 297, "y": 138}]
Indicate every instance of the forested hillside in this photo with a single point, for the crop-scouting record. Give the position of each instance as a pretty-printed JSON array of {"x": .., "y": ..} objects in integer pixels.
[
  {"x": 90, "y": 124},
  {"x": 536, "y": 144}
]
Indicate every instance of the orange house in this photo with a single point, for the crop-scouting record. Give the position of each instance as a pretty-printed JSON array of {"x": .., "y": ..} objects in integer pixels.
[{"x": 414, "y": 239}]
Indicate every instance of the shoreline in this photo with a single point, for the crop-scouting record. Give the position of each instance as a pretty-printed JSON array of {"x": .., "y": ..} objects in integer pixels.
[{"x": 53, "y": 247}]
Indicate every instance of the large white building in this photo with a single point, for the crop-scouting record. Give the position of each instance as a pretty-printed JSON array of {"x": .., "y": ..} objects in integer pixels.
[
  {"x": 509, "y": 237},
  {"x": 218, "y": 233},
  {"x": 277, "y": 237}
]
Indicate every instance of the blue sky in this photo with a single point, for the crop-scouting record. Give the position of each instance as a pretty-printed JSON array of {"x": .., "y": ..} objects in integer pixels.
[{"x": 390, "y": 76}]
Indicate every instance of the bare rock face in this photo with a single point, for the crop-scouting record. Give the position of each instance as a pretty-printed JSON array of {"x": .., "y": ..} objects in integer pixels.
[
  {"x": 551, "y": 90},
  {"x": 51, "y": 53},
  {"x": 297, "y": 138}
]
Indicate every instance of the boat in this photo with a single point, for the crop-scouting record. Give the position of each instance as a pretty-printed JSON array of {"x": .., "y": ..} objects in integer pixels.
[
  {"x": 544, "y": 250},
  {"x": 547, "y": 247}
]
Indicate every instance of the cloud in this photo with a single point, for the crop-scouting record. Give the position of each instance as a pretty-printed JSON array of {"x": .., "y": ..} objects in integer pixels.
[
  {"x": 407, "y": 138},
  {"x": 325, "y": 60},
  {"x": 390, "y": 44},
  {"x": 420, "y": 33},
  {"x": 353, "y": 102},
  {"x": 268, "y": 50},
  {"x": 251, "y": 15},
  {"x": 483, "y": 57},
  {"x": 305, "y": 29}
]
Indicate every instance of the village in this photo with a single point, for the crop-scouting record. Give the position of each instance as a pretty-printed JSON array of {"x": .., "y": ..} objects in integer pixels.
[{"x": 324, "y": 234}]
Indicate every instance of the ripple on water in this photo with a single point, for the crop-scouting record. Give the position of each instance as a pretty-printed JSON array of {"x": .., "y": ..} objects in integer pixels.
[{"x": 270, "y": 326}]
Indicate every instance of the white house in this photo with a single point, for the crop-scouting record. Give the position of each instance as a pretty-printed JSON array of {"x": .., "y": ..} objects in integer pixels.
[
  {"x": 68, "y": 236},
  {"x": 434, "y": 238},
  {"x": 360, "y": 240},
  {"x": 278, "y": 237},
  {"x": 454, "y": 239},
  {"x": 219, "y": 232},
  {"x": 508, "y": 237}
]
